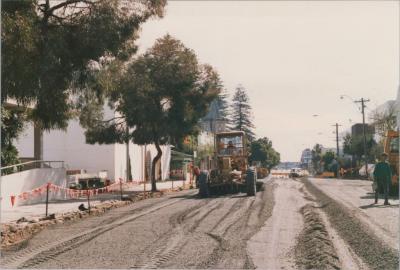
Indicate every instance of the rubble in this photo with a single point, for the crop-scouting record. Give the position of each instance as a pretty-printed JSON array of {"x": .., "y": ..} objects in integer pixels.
[{"x": 16, "y": 232}]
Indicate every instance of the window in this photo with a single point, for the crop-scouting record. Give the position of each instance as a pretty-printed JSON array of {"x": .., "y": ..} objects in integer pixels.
[
  {"x": 394, "y": 145},
  {"x": 230, "y": 145}
]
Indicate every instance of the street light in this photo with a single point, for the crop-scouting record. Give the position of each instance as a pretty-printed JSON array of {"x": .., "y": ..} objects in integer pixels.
[{"x": 343, "y": 96}]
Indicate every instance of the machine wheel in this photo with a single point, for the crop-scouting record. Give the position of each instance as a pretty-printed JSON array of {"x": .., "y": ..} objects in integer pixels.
[
  {"x": 251, "y": 182},
  {"x": 203, "y": 184}
]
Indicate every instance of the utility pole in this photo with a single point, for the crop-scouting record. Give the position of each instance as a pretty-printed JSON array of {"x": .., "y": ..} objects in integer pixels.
[
  {"x": 337, "y": 138},
  {"x": 363, "y": 101},
  {"x": 337, "y": 148},
  {"x": 127, "y": 154}
]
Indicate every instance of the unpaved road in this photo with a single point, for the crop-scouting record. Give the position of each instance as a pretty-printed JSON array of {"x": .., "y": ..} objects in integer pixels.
[{"x": 286, "y": 226}]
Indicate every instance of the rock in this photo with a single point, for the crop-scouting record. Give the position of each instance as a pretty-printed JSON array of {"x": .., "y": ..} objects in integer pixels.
[
  {"x": 34, "y": 227},
  {"x": 59, "y": 221},
  {"x": 44, "y": 223},
  {"x": 126, "y": 198},
  {"x": 23, "y": 219},
  {"x": 49, "y": 217},
  {"x": 82, "y": 214},
  {"x": 13, "y": 228},
  {"x": 82, "y": 207}
]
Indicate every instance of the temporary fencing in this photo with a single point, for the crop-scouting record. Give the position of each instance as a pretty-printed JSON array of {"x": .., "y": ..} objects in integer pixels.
[{"x": 63, "y": 193}]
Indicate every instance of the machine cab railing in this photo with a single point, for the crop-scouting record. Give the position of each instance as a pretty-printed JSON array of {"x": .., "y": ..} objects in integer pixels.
[{"x": 230, "y": 143}]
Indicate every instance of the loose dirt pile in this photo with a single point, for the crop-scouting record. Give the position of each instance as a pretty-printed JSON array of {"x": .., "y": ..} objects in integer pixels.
[
  {"x": 314, "y": 249},
  {"x": 372, "y": 250}
]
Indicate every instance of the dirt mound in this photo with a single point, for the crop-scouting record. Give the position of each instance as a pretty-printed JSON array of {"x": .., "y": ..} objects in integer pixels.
[
  {"x": 314, "y": 249},
  {"x": 372, "y": 250}
]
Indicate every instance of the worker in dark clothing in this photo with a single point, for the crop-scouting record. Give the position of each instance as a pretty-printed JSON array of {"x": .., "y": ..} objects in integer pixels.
[{"x": 383, "y": 177}]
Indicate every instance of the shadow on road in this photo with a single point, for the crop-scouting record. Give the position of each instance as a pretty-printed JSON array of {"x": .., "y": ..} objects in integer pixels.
[
  {"x": 372, "y": 205},
  {"x": 381, "y": 196},
  {"x": 197, "y": 196}
]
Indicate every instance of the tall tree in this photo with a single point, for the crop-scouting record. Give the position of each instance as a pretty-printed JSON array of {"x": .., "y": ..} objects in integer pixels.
[
  {"x": 161, "y": 97},
  {"x": 47, "y": 47},
  {"x": 47, "y": 44},
  {"x": 224, "y": 107},
  {"x": 354, "y": 145},
  {"x": 384, "y": 119},
  {"x": 241, "y": 113}
]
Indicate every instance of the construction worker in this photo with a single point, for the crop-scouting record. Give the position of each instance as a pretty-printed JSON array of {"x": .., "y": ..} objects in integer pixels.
[
  {"x": 230, "y": 148},
  {"x": 383, "y": 177}
]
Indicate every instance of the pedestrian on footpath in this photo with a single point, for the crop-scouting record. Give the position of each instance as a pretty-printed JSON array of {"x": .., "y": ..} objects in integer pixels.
[{"x": 383, "y": 177}]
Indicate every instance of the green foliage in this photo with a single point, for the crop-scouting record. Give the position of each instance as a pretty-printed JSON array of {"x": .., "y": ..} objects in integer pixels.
[
  {"x": 47, "y": 45},
  {"x": 354, "y": 145},
  {"x": 11, "y": 126},
  {"x": 328, "y": 158},
  {"x": 241, "y": 113},
  {"x": 316, "y": 157},
  {"x": 262, "y": 151},
  {"x": 161, "y": 96}
]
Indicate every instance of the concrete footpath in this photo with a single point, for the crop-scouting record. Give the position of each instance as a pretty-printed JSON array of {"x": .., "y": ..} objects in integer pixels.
[
  {"x": 37, "y": 211},
  {"x": 357, "y": 196}
]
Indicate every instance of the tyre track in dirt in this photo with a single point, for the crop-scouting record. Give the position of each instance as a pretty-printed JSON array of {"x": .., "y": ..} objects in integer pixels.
[
  {"x": 361, "y": 239},
  {"x": 232, "y": 237},
  {"x": 194, "y": 233},
  {"x": 31, "y": 257},
  {"x": 167, "y": 246},
  {"x": 185, "y": 224}
]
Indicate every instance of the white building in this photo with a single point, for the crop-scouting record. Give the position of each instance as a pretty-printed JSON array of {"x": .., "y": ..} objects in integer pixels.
[{"x": 69, "y": 146}]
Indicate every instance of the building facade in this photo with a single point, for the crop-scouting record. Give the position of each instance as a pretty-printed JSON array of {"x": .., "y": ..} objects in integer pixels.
[
  {"x": 306, "y": 158},
  {"x": 70, "y": 146},
  {"x": 357, "y": 129}
]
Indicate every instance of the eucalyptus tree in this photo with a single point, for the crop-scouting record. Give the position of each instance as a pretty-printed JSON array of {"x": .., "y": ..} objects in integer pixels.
[
  {"x": 47, "y": 45},
  {"x": 160, "y": 97}
]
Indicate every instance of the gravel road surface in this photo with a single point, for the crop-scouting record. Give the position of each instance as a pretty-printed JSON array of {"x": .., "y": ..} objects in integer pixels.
[
  {"x": 290, "y": 224},
  {"x": 176, "y": 231}
]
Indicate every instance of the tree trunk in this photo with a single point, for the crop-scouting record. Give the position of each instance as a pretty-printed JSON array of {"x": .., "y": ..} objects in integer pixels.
[{"x": 153, "y": 167}]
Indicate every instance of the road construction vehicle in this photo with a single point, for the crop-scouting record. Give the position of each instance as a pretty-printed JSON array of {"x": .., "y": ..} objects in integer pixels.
[
  {"x": 229, "y": 170},
  {"x": 391, "y": 148}
]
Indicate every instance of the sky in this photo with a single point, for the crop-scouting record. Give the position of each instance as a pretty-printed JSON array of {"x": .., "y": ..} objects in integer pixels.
[{"x": 295, "y": 59}]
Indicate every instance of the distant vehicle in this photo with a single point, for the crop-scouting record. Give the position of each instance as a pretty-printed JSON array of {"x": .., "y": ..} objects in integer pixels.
[
  {"x": 295, "y": 172},
  {"x": 86, "y": 181},
  {"x": 75, "y": 186}
]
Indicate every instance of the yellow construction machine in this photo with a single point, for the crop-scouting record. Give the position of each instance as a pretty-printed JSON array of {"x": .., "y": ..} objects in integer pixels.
[
  {"x": 229, "y": 170},
  {"x": 391, "y": 148}
]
